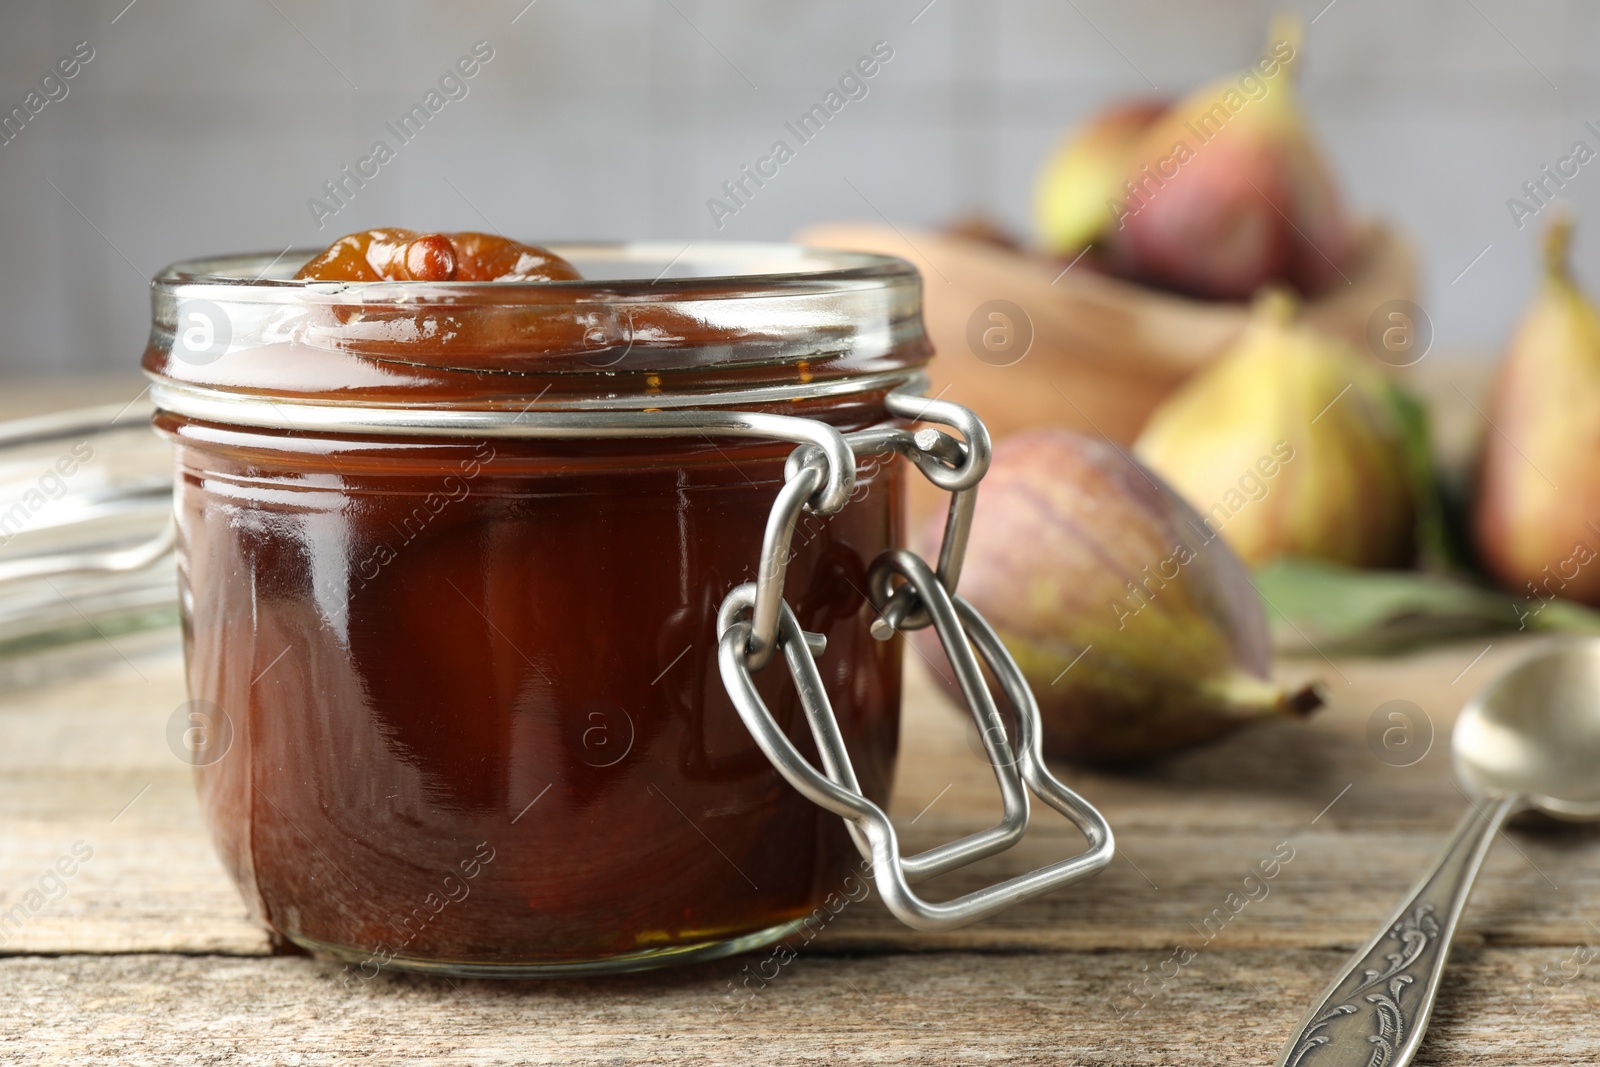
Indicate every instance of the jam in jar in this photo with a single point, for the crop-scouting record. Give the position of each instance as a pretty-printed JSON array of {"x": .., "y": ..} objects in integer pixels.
[{"x": 461, "y": 640}]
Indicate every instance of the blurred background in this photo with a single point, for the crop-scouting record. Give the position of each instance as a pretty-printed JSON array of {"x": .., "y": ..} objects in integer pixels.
[{"x": 205, "y": 128}]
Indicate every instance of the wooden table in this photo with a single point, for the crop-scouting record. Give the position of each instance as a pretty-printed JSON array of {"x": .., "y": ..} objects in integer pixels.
[{"x": 148, "y": 957}]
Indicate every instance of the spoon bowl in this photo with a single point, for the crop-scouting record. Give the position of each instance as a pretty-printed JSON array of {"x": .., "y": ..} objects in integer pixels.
[{"x": 1534, "y": 732}]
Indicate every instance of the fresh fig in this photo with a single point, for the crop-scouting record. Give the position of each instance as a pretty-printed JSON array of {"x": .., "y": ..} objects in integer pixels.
[
  {"x": 1228, "y": 192},
  {"x": 1136, "y": 628},
  {"x": 1537, "y": 515},
  {"x": 1292, "y": 444},
  {"x": 1084, "y": 172}
]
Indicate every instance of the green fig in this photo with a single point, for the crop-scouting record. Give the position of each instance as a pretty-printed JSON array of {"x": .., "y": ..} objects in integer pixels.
[
  {"x": 1291, "y": 444},
  {"x": 1135, "y": 626},
  {"x": 1086, "y": 170},
  {"x": 1537, "y": 516},
  {"x": 1228, "y": 192}
]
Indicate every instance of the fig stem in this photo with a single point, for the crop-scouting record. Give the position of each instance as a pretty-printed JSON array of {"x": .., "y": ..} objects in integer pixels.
[
  {"x": 1248, "y": 697},
  {"x": 1306, "y": 699},
  {"x": 1286, "y": 29},
  {"x": 1557, "y": 240},
  {"x": 1275, "y": 305}
]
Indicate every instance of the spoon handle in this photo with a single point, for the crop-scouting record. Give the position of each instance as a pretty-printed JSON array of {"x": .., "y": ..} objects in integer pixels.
[{"x": 1377, "y": 1010}]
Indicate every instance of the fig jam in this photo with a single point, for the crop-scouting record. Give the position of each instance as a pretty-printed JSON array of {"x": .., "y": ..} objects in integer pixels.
[{"x": 476, "y": 720}]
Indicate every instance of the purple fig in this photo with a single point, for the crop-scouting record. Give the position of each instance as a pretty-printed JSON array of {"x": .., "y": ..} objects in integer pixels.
[
  {"x": 1292, "y": 444},
  {"x": 1084, "y": 171},
  {"x": 1136, "y": 627},
  {"x": 1228, "y": 192},
  {"x": 1538, "y": 508}
]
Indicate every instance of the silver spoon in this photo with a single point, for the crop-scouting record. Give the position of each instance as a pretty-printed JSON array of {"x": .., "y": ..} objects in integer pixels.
[{"x": 1531, "y": 740}]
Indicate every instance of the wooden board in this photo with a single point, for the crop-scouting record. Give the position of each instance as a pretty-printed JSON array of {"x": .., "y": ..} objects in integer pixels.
[{"x": 148, "y": 957}]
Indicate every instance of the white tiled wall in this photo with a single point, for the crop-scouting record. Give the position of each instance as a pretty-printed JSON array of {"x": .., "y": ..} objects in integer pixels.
[{"x": 204, "y": 127}]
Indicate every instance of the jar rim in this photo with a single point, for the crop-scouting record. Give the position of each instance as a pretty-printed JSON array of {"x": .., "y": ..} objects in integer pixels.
[
  {"x": 650, "y": 321},
  {"x": 768, "y": 264}
]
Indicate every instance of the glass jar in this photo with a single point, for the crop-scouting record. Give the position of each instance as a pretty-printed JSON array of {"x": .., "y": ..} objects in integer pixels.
[{"x": 451, "y": 557}]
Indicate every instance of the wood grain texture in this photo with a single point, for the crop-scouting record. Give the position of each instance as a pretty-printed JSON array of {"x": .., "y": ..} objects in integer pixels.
[
  {"x": 1026, "y": 1008},
  {"x": 148, "y": 956},
  {"x": 87, "y": 761}
]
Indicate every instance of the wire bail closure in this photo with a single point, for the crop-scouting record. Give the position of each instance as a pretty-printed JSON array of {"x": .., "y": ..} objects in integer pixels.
[{"x": 924, "y": 598}]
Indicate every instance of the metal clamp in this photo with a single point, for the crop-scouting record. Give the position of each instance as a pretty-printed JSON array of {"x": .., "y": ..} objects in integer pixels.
[{"x": 925, "y": 597}]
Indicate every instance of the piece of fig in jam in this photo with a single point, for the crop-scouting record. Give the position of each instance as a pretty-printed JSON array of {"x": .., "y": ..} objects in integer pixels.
[{"x": 407, "y": 256}]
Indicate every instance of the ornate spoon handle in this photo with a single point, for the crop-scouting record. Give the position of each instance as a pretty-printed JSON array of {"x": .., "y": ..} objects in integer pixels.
[{"x": 1375, "y": 1013}]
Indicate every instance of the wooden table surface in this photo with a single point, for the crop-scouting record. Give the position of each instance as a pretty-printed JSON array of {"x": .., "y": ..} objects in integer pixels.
[{"x": 148, "y": 957}]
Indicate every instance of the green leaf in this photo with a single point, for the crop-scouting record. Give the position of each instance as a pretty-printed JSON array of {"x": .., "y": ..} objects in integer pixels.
[
  {"x": 1437, "y": 547},
  {"x": 1330, "y": 608}
]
